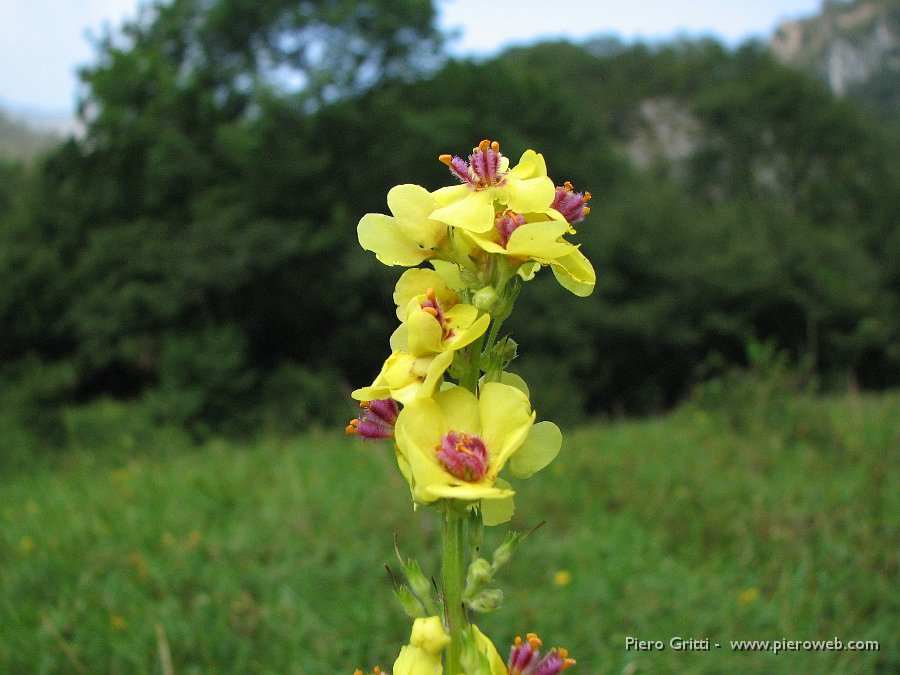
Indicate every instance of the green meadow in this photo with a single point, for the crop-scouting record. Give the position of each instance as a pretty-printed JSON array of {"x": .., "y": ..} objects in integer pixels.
[{"x": 748, "y": 516}]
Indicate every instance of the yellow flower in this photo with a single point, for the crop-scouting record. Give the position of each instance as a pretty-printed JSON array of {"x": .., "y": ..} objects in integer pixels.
[
  {"x": 434, "y": 319},
  {"x": 454, "y": 445},
  {"x": 484, "y": 645},
  {"x": 422, "y": 656},
  {"x": 533, "y": 240},
  {"x": 436, "y": 325},
  {"x": 486, "y": 182},
  {"x": 405, "y": 377},
  {"x": 409, "y": 236}
]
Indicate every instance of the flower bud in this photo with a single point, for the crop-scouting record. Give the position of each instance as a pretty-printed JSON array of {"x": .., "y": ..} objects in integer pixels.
[
  {"x": 411, "y": 604},
  {"x": 489, "y": 600},
  {"x": 429, "y": 634},
  {"x": 485, "y": 299},
  {"x": 505, "y": 551},
  {"x": 418, "y": 582},
  {"x": 478, "y": 576}
]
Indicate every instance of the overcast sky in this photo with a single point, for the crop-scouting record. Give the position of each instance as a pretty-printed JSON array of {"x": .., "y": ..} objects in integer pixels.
[{"x": 42, "y": 42}]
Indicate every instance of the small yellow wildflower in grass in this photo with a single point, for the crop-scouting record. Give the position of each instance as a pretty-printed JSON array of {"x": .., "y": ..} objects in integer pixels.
[
  {"x": 117, "y": 622},
  {"x": 140, "y": 565},
  {"x": 193, "y": 539},
  {"x": 748, "y": 595},
  {"x": 26, "y": 545},
  {"x": 562, "y": 578}
]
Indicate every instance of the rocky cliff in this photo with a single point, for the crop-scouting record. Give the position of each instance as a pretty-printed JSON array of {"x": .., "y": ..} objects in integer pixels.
[{"x": 849, "y": 43}]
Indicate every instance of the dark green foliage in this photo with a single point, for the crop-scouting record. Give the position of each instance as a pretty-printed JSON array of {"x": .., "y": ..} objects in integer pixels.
[{"x": 197, "y": 249}]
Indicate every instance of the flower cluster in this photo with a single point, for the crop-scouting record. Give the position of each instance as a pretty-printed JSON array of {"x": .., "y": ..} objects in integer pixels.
[{"x": 458, "y": 418}]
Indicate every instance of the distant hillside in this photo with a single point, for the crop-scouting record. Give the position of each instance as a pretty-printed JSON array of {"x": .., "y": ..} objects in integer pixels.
[
  {"x": 853, "y": 45},
  {"x": 22, "y": 141}
]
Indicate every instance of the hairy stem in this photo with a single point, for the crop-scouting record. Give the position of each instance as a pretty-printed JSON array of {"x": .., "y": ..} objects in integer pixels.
[{"x": 453, "y": 573}]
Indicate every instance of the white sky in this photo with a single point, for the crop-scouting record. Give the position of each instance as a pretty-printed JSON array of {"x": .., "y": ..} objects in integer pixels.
[{"x": 42, "y": 42}]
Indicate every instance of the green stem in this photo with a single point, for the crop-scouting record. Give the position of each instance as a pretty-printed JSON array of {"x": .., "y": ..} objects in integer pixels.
[
  {"x": 453, "y": 573},
  {"x": 473, "y": 372}
]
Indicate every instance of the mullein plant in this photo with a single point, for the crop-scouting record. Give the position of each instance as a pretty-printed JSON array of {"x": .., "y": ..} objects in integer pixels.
[{"x": 457, "y": 418}]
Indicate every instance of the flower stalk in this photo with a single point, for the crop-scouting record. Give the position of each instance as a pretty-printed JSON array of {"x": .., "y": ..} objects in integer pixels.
[
  {"x": 453, "y": 574},
  {"x": 457, "y": 418}
]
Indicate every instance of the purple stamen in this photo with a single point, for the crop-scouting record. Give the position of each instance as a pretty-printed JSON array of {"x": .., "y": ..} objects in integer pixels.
[
  {"x": 483, "y": 168},
  {"x": 552, "y": 664},
  {"x": 525, "y": 658},
  {"x": 463, "y": 455},
  {"x": 506, "y": 224},
  {"x": 377, "y": 421},
  {"x": 571, "y": 204},
  {"x": 460, "y": 169}
]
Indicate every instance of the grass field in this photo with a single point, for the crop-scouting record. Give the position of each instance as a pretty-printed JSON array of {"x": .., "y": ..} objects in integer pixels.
[{"x": 777, "y": 519}]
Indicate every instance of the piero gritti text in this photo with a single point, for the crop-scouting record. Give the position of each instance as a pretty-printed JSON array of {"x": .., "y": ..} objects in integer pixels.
[{"x": 678, "y": 644}]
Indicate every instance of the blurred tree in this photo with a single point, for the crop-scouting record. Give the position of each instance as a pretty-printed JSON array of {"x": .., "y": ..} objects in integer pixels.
[{"x": 198, "y": 248}]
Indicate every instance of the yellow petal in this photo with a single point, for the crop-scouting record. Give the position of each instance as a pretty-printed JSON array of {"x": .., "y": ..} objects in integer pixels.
[
  {"x": 449, "y": 272},
  {"x": 459, "y": 408},
  {"x": 530, "y": 165},
  {"x": 415, "y": 282},
  {"x": 540, "y": 241},
  {"x": 419, "y": 429},
  {"x": 466, "y": 327},
  {"x": 399, "y": 340},
  {"x": 486, "y": 647},
  {"x": 473, "y": 212},
  {"x": 429, "y": 634},
  {"x": 450, "y": 194},
  {"x": 506, "y": 419},
  {"x": 575, "y": 273},
  {"x": 498, "y": 511},
  {"x": 533, "y": 194},
  {"x": 540, "y": 448},
  {"x": 527, "y": 270},
  {"x": 424, "y": 332},
  {"x": 411, "y": 206},
  {"x": 467, "y": 492},
  {"x": 514, "y": 380},
  {"x": 379, "y": 233},
  {"x": 417, "y": 661}
]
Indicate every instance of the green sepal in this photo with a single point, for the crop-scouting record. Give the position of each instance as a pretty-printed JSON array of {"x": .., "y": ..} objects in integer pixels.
[
  {"x": 476, "y": 528},
  {"x": 489, "y": 600},
  {"x": 479, "y": 575},
  {"x": 504, "y": 552},
  {"x": 411, "y": 604}
]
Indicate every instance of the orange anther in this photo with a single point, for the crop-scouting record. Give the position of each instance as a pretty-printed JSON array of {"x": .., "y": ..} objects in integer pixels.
[
  {"x": 430, "y": 310},
  {"x": 445, "y": 159}
]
